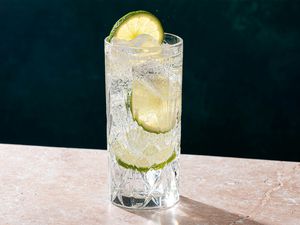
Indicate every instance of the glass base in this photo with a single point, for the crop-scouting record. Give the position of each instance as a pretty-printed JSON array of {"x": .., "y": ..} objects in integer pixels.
[
  {"x": 144, "y": 190},
  {"x": 144, "y": 203}
]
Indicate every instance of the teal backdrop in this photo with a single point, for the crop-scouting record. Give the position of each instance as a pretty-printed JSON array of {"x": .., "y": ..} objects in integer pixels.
[{"x": 241, "y": 86}]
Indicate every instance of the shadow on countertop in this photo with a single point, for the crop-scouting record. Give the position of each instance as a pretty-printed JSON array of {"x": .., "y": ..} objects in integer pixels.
[{"x": 191, "y": 212}]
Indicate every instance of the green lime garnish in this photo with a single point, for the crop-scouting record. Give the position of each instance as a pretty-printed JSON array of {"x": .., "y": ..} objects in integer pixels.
[
  {"x": 155, "y": 103},
  {"x": 143, "y": 151},
  {"x": 136, "y": 23}
]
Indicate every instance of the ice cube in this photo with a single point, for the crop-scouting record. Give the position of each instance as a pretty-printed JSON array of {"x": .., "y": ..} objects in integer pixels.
[
  {"x": 141, "y": 41},
  {"x": 142, "y": 44},
  {"x": 117, "y": 41},
  {"x": 144, "y": 41}
]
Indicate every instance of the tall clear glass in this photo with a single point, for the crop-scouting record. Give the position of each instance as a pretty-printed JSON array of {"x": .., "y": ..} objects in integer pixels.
[{"x": 143, "y": 103}]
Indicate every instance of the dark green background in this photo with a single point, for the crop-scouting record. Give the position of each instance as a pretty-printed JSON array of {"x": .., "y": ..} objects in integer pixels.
[{"x": 241, "y": 73}]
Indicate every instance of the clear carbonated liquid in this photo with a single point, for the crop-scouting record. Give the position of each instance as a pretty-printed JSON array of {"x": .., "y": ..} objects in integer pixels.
[{"x": 135, "y": 187}]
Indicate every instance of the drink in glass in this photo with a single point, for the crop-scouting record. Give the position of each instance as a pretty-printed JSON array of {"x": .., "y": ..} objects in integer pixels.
[{"x": 143, "y": 101}]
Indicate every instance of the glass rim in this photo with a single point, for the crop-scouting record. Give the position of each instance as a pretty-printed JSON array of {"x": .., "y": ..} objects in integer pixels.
[{"x": 179, "y": 43}]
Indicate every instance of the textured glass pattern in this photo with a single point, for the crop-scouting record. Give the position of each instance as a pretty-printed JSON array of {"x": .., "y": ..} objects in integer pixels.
[{"x": 143, "y": 101}]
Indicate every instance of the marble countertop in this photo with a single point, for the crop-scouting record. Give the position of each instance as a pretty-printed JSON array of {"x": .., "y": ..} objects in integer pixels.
[{"x": 65, "y": 186}]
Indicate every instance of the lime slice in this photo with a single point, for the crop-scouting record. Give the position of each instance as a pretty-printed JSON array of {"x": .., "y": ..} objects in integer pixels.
[
  {"x": 136, "y": 23},
  {"x": 155, "y": 103},
  {"x": 143, "y": 151}
]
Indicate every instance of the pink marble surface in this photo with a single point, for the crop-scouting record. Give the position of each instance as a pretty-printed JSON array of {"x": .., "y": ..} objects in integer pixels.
[{"x": 64, "y": 186}]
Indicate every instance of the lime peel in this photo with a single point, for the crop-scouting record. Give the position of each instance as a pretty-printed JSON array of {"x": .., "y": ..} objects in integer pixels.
[{"x": 146, "y": 169}]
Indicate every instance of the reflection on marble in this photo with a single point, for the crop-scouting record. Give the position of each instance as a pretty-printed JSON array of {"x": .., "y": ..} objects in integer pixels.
[{"x": 60, "y": 186}]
